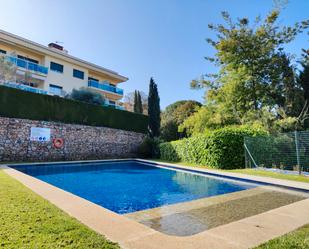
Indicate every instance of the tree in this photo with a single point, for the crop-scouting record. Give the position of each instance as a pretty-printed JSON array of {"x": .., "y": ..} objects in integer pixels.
[
  {"x": 254, "y": 72},
  {"x": 129, "y": 101},
  {"x": 173, "y": 116},
  {"x": 153, "y": 109},
  {"x": 208, "y": 117},
  {"x": 7, "y": 70},
  {"x": 138, "y": 106},
  {"x": 135, "y": 104},
  {"x": 303, "y": 78},
  {"x": 87, "y": 96},
  {"x": 140, "y": 102}
]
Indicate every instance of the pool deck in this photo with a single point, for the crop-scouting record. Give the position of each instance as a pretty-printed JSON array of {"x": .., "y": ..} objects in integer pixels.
[{"x": 245, "y": 233}]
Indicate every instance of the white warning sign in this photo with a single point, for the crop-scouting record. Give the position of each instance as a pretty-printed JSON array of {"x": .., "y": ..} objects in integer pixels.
[{"x": 40, "y": 134}]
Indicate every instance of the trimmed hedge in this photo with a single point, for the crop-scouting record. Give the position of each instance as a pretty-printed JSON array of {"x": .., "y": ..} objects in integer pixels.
[
  {"x": 15, "y": 103},
  {"x": 221, "y": 149}
]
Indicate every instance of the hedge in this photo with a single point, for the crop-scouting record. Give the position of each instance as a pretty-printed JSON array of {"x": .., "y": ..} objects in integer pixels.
[
  {"x": 15, "y": 103},
  {"x": 221, "y": 149}
]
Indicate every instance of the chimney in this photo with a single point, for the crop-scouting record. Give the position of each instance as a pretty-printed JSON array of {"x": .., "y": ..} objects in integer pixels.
[{"x": 55, "y": 45}]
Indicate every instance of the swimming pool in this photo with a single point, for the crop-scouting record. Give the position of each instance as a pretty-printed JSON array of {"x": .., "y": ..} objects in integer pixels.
[{"x": 130, "y": 186}]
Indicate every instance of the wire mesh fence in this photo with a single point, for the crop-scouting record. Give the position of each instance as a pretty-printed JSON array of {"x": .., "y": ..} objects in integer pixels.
[{"x": 285, "y": 151}]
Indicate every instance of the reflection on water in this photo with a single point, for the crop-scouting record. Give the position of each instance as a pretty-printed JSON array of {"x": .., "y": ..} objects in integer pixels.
[{"x": 198, "y": 185}]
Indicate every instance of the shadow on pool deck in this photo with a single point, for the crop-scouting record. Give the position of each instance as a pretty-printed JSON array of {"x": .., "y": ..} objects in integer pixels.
[{"x": 193, "y": 217}]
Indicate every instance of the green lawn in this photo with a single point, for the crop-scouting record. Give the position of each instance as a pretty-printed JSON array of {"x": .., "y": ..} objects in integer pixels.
[
  {"x": 298, "y": 239},
  {"x": 29, "y": 221},
  {"x": 299, "y": 178}
]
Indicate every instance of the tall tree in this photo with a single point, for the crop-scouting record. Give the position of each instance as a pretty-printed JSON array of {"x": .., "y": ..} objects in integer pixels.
[
  {"x": 304, "y": 75},
  {"x": 174, "y": 115},
  {"x": 249, "y": 57},
  {"x": 154, "y": 109},
  {"x": 135, "y": 107},
  {"x": 138, "y": 105},
  {"x": 285, "y": 90},
  {"x": 303, "y": 80},
  {"x": 129, "y": 101}
]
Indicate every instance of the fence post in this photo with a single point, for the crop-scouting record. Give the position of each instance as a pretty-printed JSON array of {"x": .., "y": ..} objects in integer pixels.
[
  {"x": 297, "y": 151},
  {"x": 251, "y": 157},
  {"x": 246, "y": 159}
]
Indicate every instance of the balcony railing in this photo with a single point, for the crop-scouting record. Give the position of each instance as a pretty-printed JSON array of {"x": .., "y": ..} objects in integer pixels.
[
  {"x": 115, "y": 106},
  {"x": 105, "y": 87},
  {"x": 27, "y": 64},
  {"x": 25, "y": 87},
  {"x": 41, "y": 91}
]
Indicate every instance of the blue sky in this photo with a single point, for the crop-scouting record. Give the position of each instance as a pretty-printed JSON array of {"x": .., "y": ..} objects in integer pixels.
[{"x": 140, "y": 38}]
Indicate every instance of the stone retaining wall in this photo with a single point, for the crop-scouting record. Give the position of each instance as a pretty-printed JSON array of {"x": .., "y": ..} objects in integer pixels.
[{"x": 80, "y": 142}]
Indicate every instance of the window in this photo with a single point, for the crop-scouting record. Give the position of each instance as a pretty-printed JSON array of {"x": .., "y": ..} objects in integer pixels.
[
  {"x": 28, "y": 59},
  {"x": 78, "y": 74},
  {"x": 56, "y": 90},
  {"x": 112, "y": 102},
  {"x": 56, "y": 67},
  {"x": 2, "y": 51}
]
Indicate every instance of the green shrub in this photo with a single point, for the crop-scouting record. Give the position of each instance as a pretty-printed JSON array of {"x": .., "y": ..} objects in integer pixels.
[
  {"x": 149, "y": 148},
  {"x": 222, "y": 148},
  {"x": 87, "y": 96},
  {"x": 168, "y": 151},
  {"x": 16, "y": 103}
]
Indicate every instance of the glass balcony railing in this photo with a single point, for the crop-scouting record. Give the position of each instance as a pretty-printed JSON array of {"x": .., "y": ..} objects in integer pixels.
[
  {"x": 25, "y": 87},
  {"x": 27, "y": 65},
  {"x": 105, "y": 87},
  {"x": 112, "y": 105}
]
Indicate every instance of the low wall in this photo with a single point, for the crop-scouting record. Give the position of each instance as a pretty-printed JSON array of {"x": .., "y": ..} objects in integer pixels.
[{"x": 80, "y": 142}]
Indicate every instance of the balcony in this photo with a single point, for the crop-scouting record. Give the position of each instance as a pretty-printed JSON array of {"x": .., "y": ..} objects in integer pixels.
[
  {"x": 25, "y": 87},
  {"x": 27, "y": 65},
  {"x": 112, "y": 105},
  {"x": 105, "y": 87}
]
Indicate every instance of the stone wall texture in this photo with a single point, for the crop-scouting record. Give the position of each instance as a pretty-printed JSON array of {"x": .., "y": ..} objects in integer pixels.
[{"x": 80, "y": 142}]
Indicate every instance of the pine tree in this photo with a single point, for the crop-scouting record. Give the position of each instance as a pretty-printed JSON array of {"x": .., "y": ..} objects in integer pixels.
[{"x": 154, "y": 109}]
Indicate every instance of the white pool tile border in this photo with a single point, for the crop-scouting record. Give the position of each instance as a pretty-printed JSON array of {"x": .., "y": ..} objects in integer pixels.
[{"x": 245, "y": 233}]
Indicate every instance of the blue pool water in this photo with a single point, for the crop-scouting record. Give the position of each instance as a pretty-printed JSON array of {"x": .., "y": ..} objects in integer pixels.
[{"x": 130, "y": 186}]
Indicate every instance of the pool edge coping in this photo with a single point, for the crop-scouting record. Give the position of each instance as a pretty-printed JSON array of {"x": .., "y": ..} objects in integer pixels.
[
  {"x": 131, "y": 234},
  {"x": 289, "y": 184}
]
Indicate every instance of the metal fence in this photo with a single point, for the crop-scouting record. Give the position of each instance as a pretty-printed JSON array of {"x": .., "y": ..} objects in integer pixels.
[{"x": 284, "y": 151}]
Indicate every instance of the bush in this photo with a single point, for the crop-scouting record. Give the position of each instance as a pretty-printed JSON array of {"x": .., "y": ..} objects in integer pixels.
[
  {"x": 221, "y": 149},
  {"x": 149, "y": 148},
  {"x": 16, "y": 103},
  {"x": 87, "y": 96}
]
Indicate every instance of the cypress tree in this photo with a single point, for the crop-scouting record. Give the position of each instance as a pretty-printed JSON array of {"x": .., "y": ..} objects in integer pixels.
[
  {"x": 153, "y": 109},
  {"x": 135, "y": 104},
  {"x": 139, "y": 103}
]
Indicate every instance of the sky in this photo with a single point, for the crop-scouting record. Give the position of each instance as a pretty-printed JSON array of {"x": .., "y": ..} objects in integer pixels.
[{"x": 163, "y": 39}]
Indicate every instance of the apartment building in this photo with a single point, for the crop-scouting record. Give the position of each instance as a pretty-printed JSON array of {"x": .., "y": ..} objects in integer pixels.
[{"x": 52, "y": 70}]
